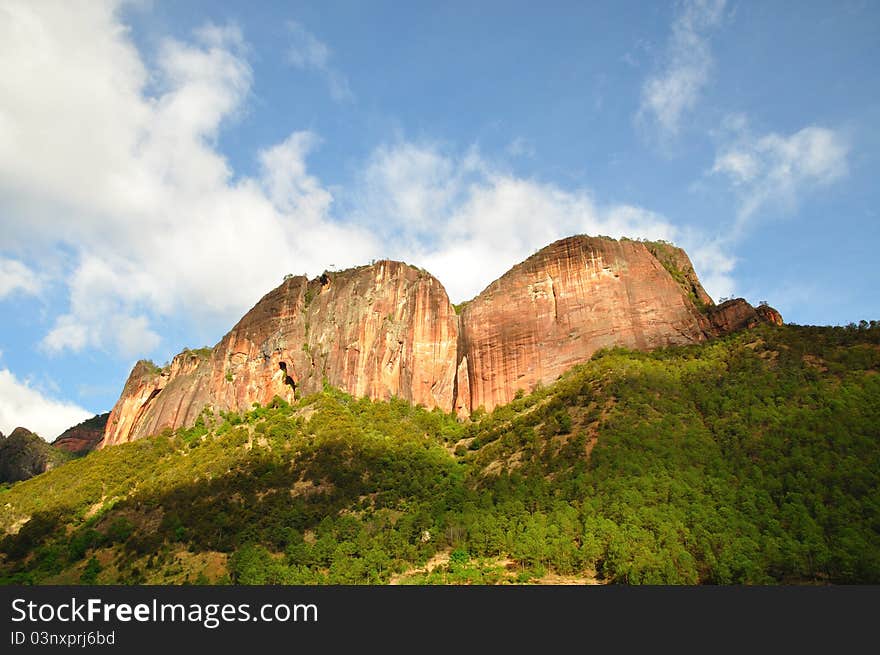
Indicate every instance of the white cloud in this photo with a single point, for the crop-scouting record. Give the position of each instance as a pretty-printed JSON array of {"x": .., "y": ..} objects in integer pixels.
[
  {"x": 767, "y": 172},
  {"x": 128, "y": 189},
  {"x": 68, "y": 333},
  {"x": 23, "y": 406},
  {"x": 16, "y": 277},
  {"x": 468, "y": 221},
  {"x": 410, "y": 189},
  {"x": 286, "y": 181},
  {"x": 740, "y": 166},
  {"x": 675, "y": 89},
  {"x": 774, "y": 170},
  {"x": 307, "y": 52},
  {"x": 131, "y": 334}
]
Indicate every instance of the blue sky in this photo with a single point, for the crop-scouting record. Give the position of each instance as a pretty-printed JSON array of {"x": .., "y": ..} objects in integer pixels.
[{"x": 162, "y": 165}]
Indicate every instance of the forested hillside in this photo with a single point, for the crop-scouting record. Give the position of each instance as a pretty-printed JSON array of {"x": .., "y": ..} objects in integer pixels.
[{"x": 750, "y": 459}]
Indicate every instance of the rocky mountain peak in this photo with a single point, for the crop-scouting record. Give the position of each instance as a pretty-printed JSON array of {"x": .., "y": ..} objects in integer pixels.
[{"x": 388, "y": 329}]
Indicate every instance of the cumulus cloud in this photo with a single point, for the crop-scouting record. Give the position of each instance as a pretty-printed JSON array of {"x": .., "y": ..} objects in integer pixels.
[
  {"x": 307, "y": 52},
  {"x": 468, "y": 220},
  {"x": 775, "y": 170},
  {"x": 16, "y": 277},
  {"x": 128, "y": 186},
  {"x": 23, "y": 406},
  {"x": 674, "y": 90},
  {"x": 286, "y": 181}
]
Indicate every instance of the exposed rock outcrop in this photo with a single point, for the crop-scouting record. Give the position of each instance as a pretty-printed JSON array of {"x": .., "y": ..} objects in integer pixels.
[
  {"x": 84, "y": 437},
  {"x": 382, "y": 330},
  {"x": 767, "y": 314},
  {"x": 388, "y": 329},
  {"x": 733, "y": 315},
  {"x": 567, "y": 301}
]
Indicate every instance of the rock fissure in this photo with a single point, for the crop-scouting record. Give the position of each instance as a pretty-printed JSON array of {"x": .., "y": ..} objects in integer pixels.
[{"x": 555, "y": 300}]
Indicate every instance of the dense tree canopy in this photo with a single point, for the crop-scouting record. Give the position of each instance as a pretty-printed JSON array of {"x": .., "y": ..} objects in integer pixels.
[{"x": 751, "y": 459}]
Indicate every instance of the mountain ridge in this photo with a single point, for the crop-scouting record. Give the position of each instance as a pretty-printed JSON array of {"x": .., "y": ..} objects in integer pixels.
[{"x": 388, "y": 329}]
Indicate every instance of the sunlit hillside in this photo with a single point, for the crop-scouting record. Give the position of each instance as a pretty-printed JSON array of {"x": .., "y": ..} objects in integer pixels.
[{"x": 750, "y": 459}]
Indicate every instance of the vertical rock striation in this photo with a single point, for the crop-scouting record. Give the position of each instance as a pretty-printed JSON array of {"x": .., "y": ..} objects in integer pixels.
[
  {"x": 382, "y": 330},
  {"x": 567, "y": 301}
]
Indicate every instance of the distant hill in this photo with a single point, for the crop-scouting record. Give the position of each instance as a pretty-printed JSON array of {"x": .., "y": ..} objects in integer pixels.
[
  {"x": 24, "y": 454},
  {"x": 84, "y": 437},
  {"x": 750, "y": 459}
]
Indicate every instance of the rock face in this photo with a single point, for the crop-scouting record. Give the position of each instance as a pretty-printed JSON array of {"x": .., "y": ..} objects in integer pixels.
[
  {"x": 388, "y": 329},
  {"x": 83, "y": 438},
  {"x": 767, "y": 314},
  {"x": 566, "y": 302},
  {"x": 734, "y": 315},
  {"x": 382, "y": 330}
]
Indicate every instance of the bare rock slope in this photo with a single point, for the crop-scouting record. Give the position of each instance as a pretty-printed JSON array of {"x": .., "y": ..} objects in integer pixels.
[
  {"x": 379, "y": 331},
  {"x": 566, "y": 302}
]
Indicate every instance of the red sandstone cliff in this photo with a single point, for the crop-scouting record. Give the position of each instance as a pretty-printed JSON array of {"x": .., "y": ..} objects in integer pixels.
[
  {"x": 389, "y": 330},
  {"x": 566, "y": 302},
  {"x": 379, "y": 331}
]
